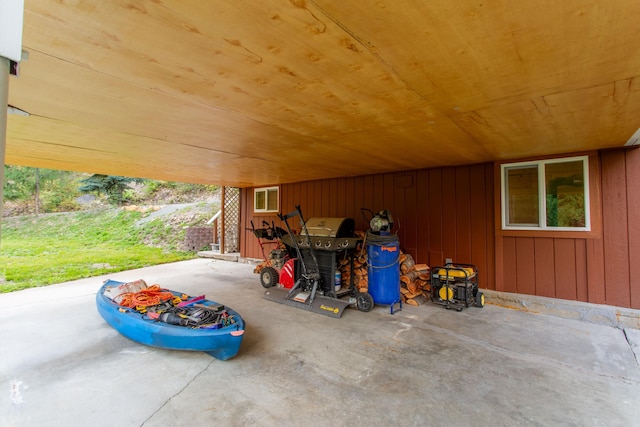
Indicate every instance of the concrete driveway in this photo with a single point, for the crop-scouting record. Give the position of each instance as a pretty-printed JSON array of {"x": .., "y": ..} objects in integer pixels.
[{"x": 62, "y": 365}]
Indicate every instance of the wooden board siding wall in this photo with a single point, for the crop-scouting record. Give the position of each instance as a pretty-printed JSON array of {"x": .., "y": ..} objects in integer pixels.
[
  {"x": 441, "y": 213},
  {"x": 449, "y": 213},
  {"x": 621, "y": 227},
  {"x": 604, "y": 269}
]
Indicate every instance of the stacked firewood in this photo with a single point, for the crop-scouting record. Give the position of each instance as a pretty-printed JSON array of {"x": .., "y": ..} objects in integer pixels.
[
  {"x": 359, "y": 273},
  {"x": 414, "y": 281},
  {"x": 414, "y": 278}
]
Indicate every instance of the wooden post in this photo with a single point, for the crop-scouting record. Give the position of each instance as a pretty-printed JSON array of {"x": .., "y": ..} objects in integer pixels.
[
  {"x": 4, "y": 99},
  {"x": 11, "y": 17},
  {"x": 221, "y": 219}
]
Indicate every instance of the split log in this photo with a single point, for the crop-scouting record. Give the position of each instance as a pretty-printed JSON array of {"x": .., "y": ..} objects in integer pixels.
[
  {"x": 414, "y": 287},
  {"x": 403, "y": 257},
  {"x": 417, "y": 301},
  {"x": 424, "y": 285},
  {"x": 408, "y": 264},
  {"x": 413, "y": 295},
  {"x": 360, "y": 271},
  {"x": 409, "y": 277},
  {"x": 422, "y": 268}
]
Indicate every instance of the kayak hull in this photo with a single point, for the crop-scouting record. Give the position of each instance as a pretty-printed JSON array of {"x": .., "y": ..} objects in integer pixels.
[{"x": 223, "y": 343}]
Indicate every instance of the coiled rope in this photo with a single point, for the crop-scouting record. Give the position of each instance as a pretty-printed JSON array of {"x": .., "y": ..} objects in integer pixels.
[{"x": 153, "y": 295}]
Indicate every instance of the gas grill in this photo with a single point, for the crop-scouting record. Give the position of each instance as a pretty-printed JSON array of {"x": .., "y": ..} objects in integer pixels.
[
  {"x": 328, "y": 238},
  {"x": 326, "y": 234}
]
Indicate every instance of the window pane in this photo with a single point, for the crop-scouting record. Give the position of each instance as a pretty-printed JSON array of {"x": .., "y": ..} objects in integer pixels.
[
  {"x": 260, "y": 200},
  {"x": 272, "y": 200},
  {"x": 522, "y": 196},
  {"x": 564, "y": 182}
]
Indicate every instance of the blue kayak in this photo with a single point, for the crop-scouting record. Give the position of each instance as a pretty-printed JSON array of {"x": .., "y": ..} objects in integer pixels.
[{"x": 220, "y": 338}]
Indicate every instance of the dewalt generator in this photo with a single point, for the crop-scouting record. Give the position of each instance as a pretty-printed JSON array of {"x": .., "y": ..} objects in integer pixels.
[{"x": 455, "y": 286}]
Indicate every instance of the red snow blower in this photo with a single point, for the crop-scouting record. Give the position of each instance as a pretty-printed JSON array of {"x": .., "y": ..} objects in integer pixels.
[{"x": 278, "y": 265}]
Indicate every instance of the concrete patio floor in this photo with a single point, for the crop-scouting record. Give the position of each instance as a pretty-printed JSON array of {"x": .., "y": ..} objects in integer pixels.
[{"x": 62, "y": 365}]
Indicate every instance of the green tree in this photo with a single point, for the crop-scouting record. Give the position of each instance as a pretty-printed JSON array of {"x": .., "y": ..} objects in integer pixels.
[
  {"x": 26, "y": 183},
  {"x": 113, "y": 186},
  {"x": 18, "y": 182}
]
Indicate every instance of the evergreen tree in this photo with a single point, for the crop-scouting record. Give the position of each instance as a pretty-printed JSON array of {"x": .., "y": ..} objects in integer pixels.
[{"x": 113, "y": 186}]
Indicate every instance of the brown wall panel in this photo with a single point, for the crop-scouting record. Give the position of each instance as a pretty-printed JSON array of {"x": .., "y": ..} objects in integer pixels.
[
  {"x": 597, "y": 268},
  {"x": 415, "y": 198},
  {"x": 368, "y": 192},
  {"x": 296, "y": 193},
  {"x": 582, "y": 293},
  {"x": 378, "y": 197},
  {"x": 478, "y": 221},
  {"x": 595, "y": 271},
  {"x": 323, "y": 207},
  {"x": 565, "y": 268},
  {"x": 632, "y": 168},
  {"x": 359, "y": 203},
  {"x": 317, "y": 199},
  {"x": 422, "y": 218},
  {"x": 341, "y": 194},
  {"x": 411, "y": 222},
  {"x": 490, "y": 214},
  {"x": 349, "y": 198},
  {"x": 334, "y": 200},
  {"x": 435, "y": 212},
  {"x": 525, "y": 265},
  {"x": 615, "y": 229},
  {"x": 388, "y": 191},
  {"x": 545, "y": 266},
  {"x": 509, "y": 262},
  {"x": 399, "y": 215},
  {"x": 463, "y": 209},
  {"x": 451, "y": 212},
  {"x": 286, "y": 202},
  {"x": 306, "y": 196},
  {"x": 448, "y": 215}
]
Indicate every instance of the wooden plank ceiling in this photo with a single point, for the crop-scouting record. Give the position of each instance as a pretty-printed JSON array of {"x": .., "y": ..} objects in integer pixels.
[{"x": 249, "y": 92}]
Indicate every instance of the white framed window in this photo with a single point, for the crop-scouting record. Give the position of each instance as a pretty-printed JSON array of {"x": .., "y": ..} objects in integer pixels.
[
  {"x": 546, "y": 195},
  {"x": 266, "y": 199}
]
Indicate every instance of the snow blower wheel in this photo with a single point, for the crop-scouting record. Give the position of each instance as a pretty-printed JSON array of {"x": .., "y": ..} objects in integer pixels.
[{"x": 269, "y": 277}]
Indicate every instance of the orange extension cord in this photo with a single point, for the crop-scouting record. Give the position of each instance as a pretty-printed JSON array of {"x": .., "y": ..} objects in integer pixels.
[{"x": 153, "y": 295}]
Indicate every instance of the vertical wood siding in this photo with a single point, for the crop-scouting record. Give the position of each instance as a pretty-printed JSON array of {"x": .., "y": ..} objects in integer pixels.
[
  {"x": 450, "y": 213},
  {"x": 632, "y": 170},
  {"x": 601, "y": 270},
  {"x": 440, "y": 213}
]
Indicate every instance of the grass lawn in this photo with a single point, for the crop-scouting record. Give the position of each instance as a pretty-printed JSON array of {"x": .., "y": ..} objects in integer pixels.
[{"x": 55, "y": 248}]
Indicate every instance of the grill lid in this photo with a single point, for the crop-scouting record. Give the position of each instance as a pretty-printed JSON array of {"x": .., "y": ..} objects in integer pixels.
[{"x": 331, "y": 227}]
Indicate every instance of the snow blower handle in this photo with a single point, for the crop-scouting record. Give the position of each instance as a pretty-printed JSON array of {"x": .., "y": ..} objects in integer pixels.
[{"x": 290, "y": 214}]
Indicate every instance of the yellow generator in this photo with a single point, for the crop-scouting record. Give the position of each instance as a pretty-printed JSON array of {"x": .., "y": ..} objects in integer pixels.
[{"x": 456, "y": 286}]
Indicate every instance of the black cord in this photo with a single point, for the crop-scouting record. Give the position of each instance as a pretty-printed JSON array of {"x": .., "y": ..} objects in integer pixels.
[{"x": 378, "y": 240}]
